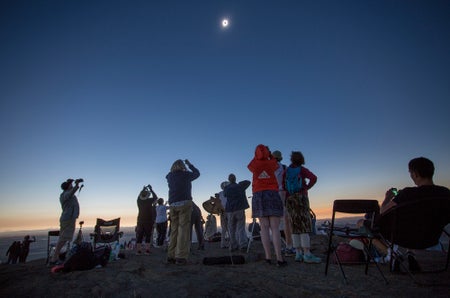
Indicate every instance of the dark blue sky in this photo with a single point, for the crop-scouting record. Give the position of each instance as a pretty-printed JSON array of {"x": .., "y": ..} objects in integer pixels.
[{"x": 115, "y": 91}]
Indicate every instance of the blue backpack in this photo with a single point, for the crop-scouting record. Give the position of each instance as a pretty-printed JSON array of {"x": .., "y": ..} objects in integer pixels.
[{"x": 293, "y": 180}]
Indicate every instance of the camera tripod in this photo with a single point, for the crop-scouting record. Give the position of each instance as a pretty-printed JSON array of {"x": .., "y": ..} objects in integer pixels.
[{"x": 80, "y": 237}]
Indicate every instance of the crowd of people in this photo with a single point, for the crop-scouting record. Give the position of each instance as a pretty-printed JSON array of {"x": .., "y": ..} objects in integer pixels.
[{"x": 279, "y": 198}]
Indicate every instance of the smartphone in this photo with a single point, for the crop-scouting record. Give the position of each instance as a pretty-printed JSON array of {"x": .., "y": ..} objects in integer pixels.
[{"x": 394, "y": 191}]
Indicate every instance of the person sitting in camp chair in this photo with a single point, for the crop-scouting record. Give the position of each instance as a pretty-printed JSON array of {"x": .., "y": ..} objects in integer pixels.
[{"x": 421, "y": 171}]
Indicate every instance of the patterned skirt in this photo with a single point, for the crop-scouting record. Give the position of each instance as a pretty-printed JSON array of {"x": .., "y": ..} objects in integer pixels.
[
  {"x": 266, "y": 203},
  {"x": 297, "y": 206}
]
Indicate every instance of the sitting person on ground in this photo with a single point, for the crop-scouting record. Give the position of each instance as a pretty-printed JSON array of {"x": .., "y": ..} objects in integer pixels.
[
  {"x": 421, "y": 171},
  {"x": 210, "y": 227}
]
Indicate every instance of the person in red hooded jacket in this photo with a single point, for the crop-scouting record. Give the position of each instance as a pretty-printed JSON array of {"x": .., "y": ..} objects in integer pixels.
[{"x": 266, "y": 202}]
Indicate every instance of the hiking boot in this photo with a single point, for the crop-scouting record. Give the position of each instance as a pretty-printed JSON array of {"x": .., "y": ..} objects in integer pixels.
[
  {"x": 281, "y": 263},
  {"x": 298, "y": 257},
  {"x": 413, "y": 264},
  {"x": 290, "y": 252},
  {"x": 311, "y": 259},
  {"x": 180, "y": 261}
]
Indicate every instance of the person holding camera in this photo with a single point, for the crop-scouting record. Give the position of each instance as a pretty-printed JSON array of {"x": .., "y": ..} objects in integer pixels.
[
  {"x": 235, "y": 210},
  {"x": 180, "y": 207},
  {"x": 146, "y": 218},
  {"x": 70, "y": 212},
  {"x": 266, "y": 201},
  {"x": 161, "y": 222}
]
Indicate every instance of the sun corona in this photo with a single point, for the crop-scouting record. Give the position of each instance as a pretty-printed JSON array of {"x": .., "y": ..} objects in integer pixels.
[{"x": 225, "y": 23}]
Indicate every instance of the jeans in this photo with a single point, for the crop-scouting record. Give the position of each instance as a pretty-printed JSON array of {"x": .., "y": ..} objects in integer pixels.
[
  {"x": 225, "y": 235},
  {"x": 236, "y": 226},
  {"x": 161, "y": 229}
]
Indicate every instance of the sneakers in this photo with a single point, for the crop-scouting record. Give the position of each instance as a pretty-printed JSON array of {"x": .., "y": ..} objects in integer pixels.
[
  {"x": 54, "y": 263},
  {"x": 311, "y": 259},
  {"x": 298, "y": 257},
  {"x": 289, "y": 252}
]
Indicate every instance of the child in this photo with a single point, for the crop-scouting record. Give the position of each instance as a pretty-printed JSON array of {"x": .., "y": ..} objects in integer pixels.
[{"x": 161, "y": 222}]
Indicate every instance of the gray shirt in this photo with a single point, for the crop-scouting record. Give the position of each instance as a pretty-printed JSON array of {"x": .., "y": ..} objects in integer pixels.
[{"x": 69, "y": 205}]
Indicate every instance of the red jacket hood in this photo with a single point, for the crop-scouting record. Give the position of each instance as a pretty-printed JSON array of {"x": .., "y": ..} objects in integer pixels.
[{"x": 261, "y": 152}]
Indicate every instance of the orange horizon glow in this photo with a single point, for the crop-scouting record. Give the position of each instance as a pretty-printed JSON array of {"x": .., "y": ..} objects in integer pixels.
[{"x": 12, "y": 223}]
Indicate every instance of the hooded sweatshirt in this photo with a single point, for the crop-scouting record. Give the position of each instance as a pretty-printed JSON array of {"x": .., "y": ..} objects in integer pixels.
[{"x": 263, "y": 167}]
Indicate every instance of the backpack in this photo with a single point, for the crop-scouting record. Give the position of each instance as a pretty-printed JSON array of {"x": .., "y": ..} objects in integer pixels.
[
  {"x": 293, "y": 180},
  {"x": 85, "y": 258},
  {"x": 347, "y": 254}
]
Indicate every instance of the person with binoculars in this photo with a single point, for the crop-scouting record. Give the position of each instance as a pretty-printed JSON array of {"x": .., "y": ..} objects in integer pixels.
[{"x": 70, "y": 211}]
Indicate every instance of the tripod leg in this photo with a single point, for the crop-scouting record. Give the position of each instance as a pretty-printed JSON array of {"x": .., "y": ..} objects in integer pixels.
[{"x": 250, "y": 240}]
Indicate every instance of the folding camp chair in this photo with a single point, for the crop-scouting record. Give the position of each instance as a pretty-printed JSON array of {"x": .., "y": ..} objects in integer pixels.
[
  {"x": 416, "y": 225},
  {"x": 368, "y": 207},
  {"x": 50, "y": 247},
  {"x": 106, "y": 231}
]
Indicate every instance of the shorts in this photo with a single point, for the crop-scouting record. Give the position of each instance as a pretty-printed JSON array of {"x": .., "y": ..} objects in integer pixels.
[
  {"x": 66, "y": 230},
  {"x": 267, "y": 203},
  {"x": 144, "y": 231}
]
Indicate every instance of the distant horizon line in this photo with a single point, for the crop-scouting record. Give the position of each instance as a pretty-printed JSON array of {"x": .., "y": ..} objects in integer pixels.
[{"x": 27, "y": 231}]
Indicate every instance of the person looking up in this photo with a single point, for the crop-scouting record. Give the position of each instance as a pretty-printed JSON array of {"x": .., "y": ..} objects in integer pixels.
[
  {"x": 146, "y": 218},
  {"x": 266, "y": 202},
  {"x": 287, "y": 227},
  {"x": 179, "y": 181},
  {"x": 161, "y": 222},
  {"x": 70, "y": 212},
  {"x": 235, "y": 210}
]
